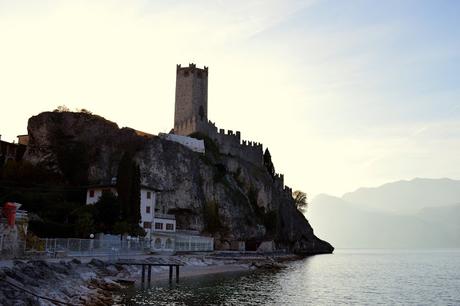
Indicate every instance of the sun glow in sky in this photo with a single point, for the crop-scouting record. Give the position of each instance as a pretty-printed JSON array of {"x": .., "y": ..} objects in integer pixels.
[{"x": 345, "y": 94}]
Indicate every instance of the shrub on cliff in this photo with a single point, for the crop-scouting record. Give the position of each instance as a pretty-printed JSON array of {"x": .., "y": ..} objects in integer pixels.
[
  {"x": 211, "y": 147},
  {"x": 300, "y": 200}
]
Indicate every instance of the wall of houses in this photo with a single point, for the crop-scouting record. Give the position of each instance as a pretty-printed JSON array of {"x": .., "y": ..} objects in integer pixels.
[
  {"x": 164, "y": 223},
  {"x": 147, "y": 207},
  {"x": 11, "y": 151},
  {"x": 148, "y": 201},
  {"x": 94, "y": 193}
]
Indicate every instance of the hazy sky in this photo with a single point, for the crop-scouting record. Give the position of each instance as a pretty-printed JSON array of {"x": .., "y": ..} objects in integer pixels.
[{"x": 344, "y": 93}]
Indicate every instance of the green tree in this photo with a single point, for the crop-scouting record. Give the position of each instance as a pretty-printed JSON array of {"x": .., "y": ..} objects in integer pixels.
[
  {"x": 300, "y": 200},
  {"x": 129, "y": 189},
  {"x": 107, "y": 212},
  {"x": 123, "y": 227},
  {"x": 85, "y": 224},
  {"x": 268, "y": 163}
]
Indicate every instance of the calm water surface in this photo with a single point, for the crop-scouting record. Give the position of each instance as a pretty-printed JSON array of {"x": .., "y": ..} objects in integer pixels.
[{"x": 363, "y": 277}]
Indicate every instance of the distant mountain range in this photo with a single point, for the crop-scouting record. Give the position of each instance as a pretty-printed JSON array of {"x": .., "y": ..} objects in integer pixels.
[{"x": 421, "y": 213}]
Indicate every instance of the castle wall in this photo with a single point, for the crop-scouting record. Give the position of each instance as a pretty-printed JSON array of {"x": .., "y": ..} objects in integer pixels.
[
  {"x": 191, "y": 116},
  {"x": 193, "y": 144},
  {"x": 229, "y": 142}
]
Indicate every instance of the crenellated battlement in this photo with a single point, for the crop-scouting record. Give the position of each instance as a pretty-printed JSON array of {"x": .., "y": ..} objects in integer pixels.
[
  {"x": 229, "y": 141},
  {"x": 288, "y": 190},
  {"x": 279, "y": 180},
  {"x": 251, "y": 144},
  {"x": 191, "y": 67},
  {"x": 191, "y": 116}
]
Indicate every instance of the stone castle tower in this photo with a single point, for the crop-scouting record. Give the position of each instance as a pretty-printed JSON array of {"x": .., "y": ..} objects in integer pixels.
[
  {"x": 191, "y": 116},
  {"x": 191, "y": 108}
]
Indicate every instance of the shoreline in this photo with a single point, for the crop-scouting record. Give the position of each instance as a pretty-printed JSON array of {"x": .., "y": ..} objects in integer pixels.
[{"x": 92, "y": 281}]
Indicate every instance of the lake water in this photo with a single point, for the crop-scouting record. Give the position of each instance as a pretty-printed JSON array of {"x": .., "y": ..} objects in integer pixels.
[{"x": 362, "y": 277}]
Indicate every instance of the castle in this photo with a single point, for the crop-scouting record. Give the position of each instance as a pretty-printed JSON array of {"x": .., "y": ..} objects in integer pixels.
[{"x": 191, "y": 116}]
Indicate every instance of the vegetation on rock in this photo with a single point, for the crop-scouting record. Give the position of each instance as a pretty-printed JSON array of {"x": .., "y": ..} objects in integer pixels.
[
  {"x": 215, "y": 193},
  {"x": 300, "y": 200}
]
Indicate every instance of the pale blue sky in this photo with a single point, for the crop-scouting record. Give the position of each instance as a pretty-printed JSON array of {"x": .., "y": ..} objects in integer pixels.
[{"x": 344, "y": 93}]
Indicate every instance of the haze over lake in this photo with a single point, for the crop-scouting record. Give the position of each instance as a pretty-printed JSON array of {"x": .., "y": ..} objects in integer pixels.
[
  {"x": 420, "y": 213},
  {"x": 359, "y": 277}
]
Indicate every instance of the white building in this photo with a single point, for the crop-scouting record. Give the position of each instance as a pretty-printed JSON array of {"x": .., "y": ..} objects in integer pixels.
[
  {"x": 148, "y": 201},
  {"x": 196, "y": 145},
  {"x": 159, "y": 227},
  {"x": 150, "y": 221},
  {"x": 93, "y": 193}
]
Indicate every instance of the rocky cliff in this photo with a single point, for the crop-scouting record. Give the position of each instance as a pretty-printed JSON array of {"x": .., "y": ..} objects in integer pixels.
[{"x": 217, "y": 194}]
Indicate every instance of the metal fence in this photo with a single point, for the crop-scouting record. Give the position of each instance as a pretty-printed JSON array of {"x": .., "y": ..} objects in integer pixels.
[
  {"x": 8, "y": 249},
  {"x": 61, "y": 247},
  {"x": 189, "y": 243},
  {"x": 163, "y": 241},
  {"x": 81, "y": 247}
]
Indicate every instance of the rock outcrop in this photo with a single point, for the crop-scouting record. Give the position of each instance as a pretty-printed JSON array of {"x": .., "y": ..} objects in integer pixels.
[
  {"x": 218, "y": 194},
  {"x": 39, "y": 282}
]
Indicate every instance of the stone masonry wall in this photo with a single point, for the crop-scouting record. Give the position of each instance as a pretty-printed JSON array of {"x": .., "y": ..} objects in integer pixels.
[
  {"x": 191, "y": 94},
  {"x": 229, "y": 142}
]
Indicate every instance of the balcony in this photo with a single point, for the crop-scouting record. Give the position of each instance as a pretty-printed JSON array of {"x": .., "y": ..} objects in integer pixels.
[{"x": 165, "y": 216}]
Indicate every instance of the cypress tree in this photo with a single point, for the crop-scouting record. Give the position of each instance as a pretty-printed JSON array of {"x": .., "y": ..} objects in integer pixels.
[
  {"x": 129, "y": 190},
  {"x": 268, "y": 163}
]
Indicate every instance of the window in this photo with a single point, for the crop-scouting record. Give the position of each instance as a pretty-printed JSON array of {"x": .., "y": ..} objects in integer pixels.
[
  {"x": 147, "y": 209},
  {"x": 147, "y": 225},
  {"x": 158, "y": 226},
  {"x": 157, "y": 243},
  {"x": 169, "y": 227},
  {"x": 201, "y": 112},
  {"x": 149, "y": 194},
  {"x": 91, "y": 193}
]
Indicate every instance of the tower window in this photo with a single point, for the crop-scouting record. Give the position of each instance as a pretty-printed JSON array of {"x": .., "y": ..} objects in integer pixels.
[
  {"x": 149, "y": 194},
  {"x": 91, "y": 193},
  {"x": 201, "y": 112}
]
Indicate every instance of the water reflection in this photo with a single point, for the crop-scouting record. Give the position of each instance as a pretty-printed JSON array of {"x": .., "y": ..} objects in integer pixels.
[{"x": 350, "y": 276}]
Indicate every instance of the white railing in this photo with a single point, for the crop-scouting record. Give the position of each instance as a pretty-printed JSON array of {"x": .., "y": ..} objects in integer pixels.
[
  {"x": 161, "y": 241},
  {"x": 189, "y": 243},
  {"x": 81, "y": 247},
  {"x": 87, "y": 247}
]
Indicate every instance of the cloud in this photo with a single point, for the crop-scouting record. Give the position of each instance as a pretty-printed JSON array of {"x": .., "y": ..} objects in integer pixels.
[{"x": 343, "y": 95}]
